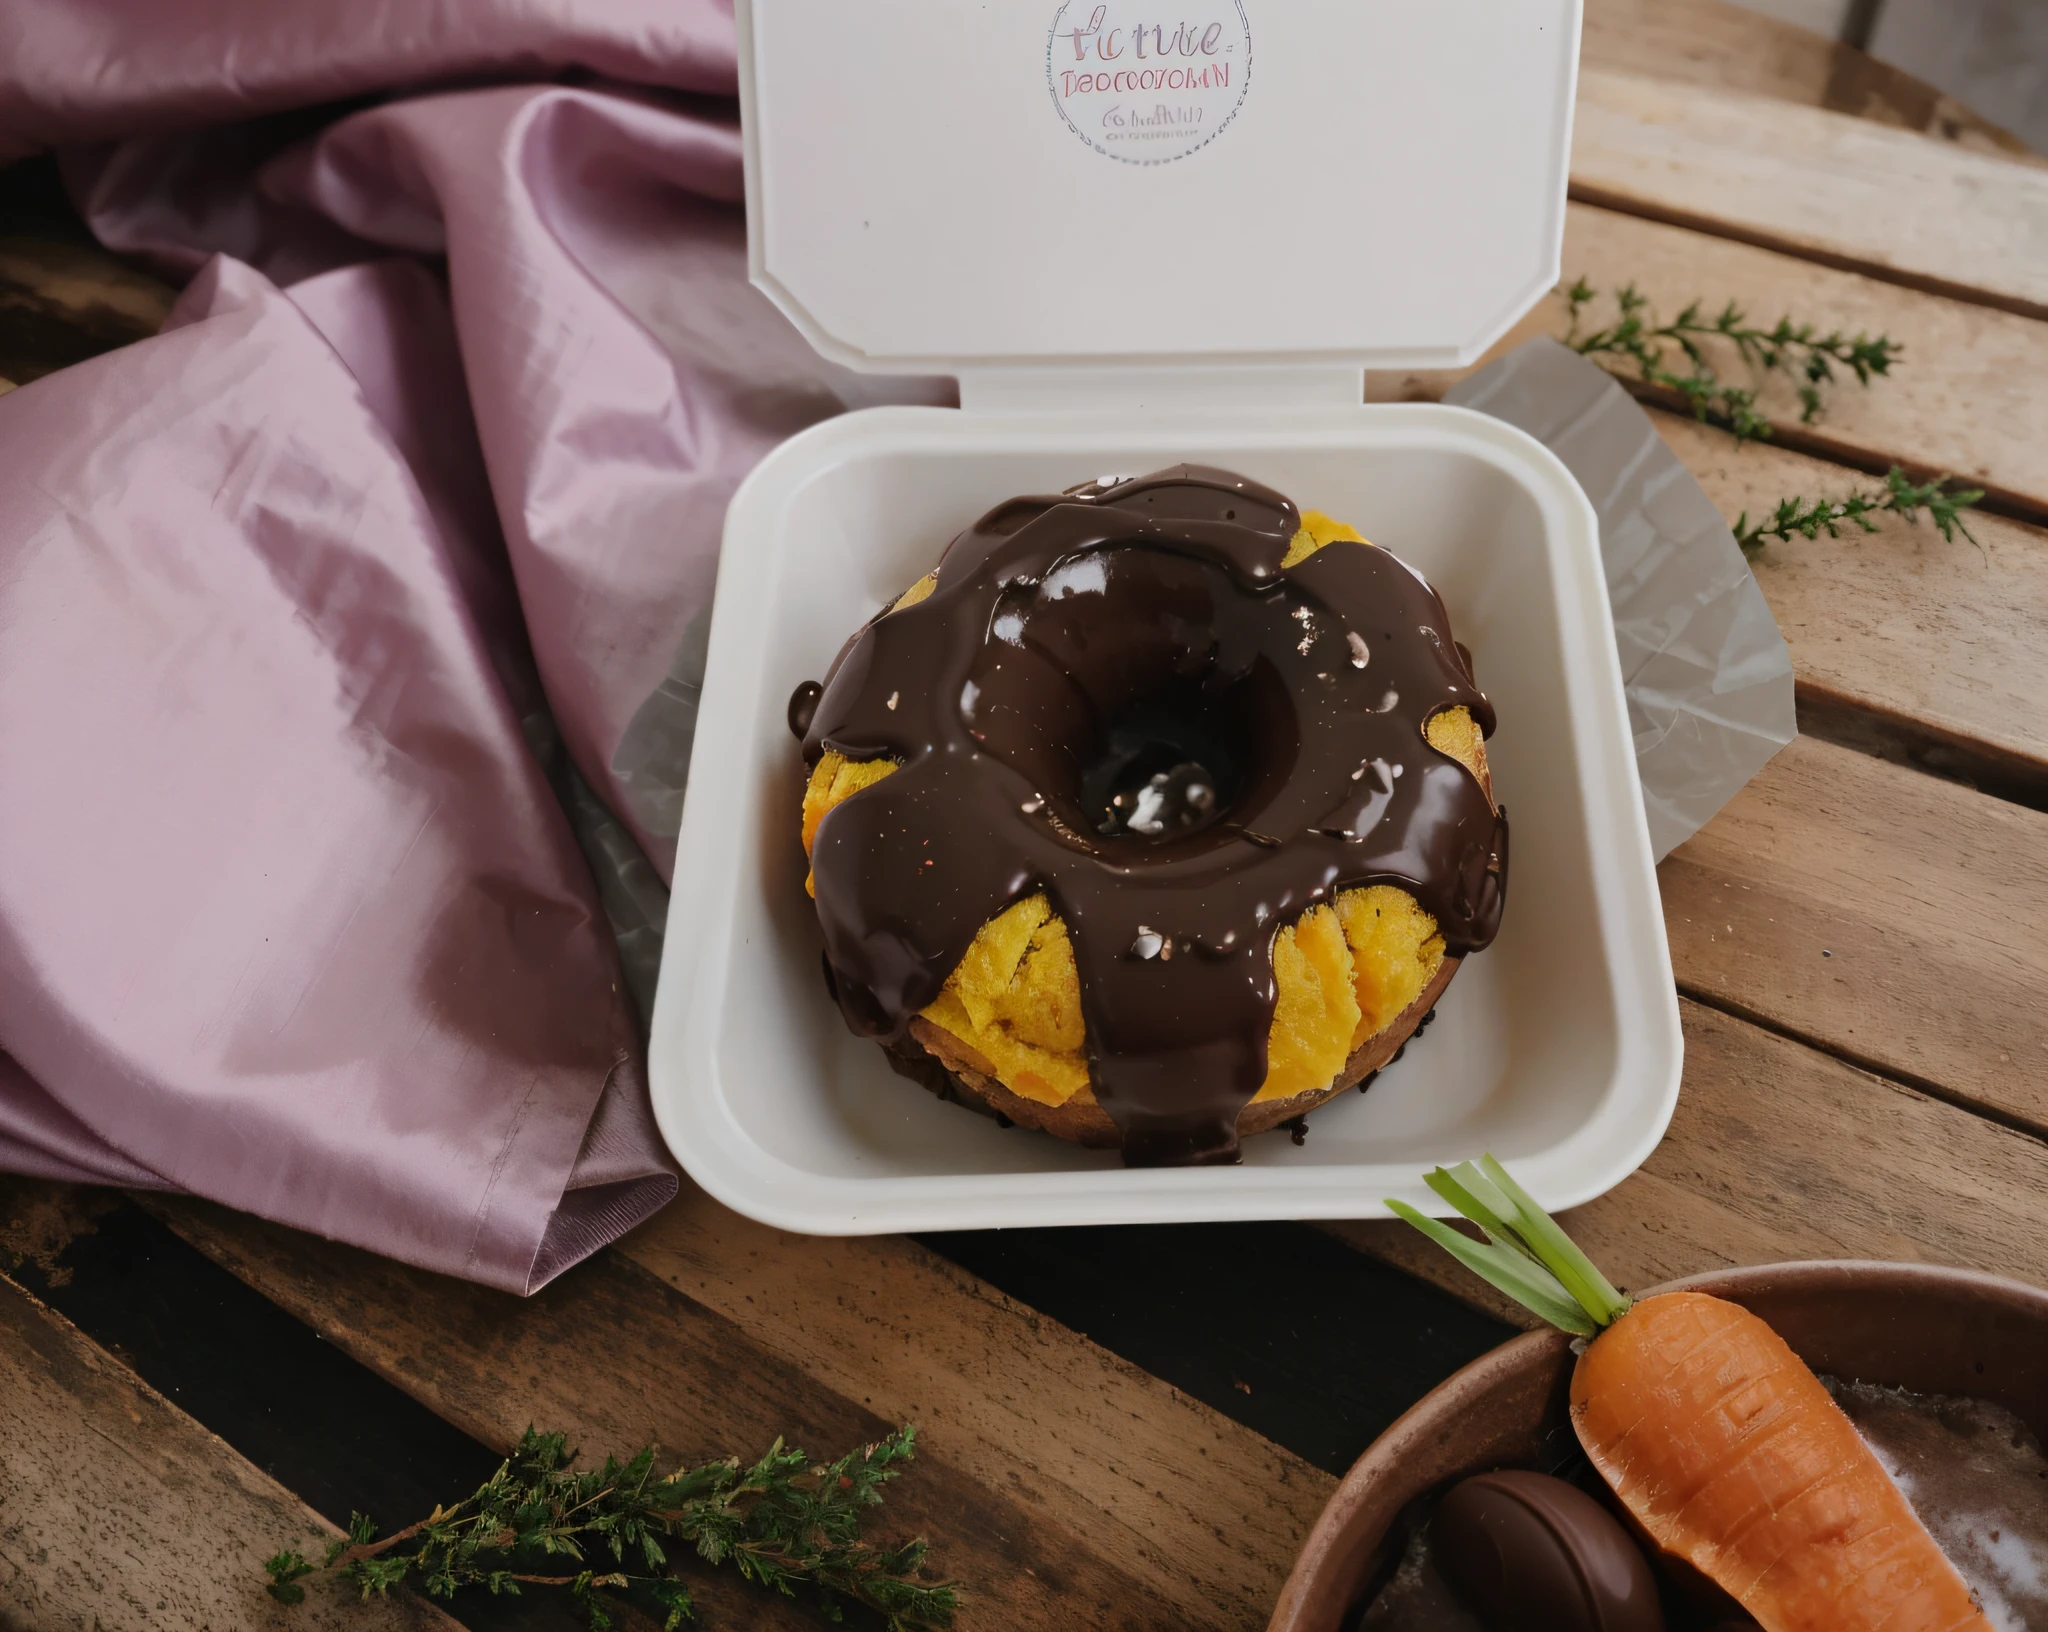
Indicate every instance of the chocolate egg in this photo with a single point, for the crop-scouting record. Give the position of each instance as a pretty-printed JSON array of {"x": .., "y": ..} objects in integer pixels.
[{"x": 1529, "y": 1553}]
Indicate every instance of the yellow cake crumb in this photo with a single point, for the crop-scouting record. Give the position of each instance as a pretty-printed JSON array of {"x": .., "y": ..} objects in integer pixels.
[
  {"x": 1317, "y": 530},
  {"x": 1343, "y": 972},
  {"x": 1395, "y": 952},
  {"x": 1315, "y": 1012},
  {"x": 1016, "y": 1000},
  {"x": 916, "y": 592},
  {"x": 1456, "y": 733},
  {"x": 1043, "y": 1004},
  {"x": 984, "y": 976},
  {"x": 833, "y": 778}
]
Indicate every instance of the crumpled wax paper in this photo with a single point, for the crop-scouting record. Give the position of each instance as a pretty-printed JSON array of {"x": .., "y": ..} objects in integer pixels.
[{"x": 1708, "y": 675}]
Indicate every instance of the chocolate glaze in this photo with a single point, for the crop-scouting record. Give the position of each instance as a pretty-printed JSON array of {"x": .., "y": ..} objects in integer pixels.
[
  {"x": 1119, "y": 697},
  {"x": 803, "y": 703}
]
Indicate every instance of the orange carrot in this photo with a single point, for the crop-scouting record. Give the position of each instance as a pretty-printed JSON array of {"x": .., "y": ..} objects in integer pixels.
[
  {"x": 1729, "y": 1453},
  {"x": 1722, "y": 1445}
]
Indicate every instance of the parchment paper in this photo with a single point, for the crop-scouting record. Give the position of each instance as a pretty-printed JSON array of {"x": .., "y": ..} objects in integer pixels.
[{"x": 1708, "y": 675}]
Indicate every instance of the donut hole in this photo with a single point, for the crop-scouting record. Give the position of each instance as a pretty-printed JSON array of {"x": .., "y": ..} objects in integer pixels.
[
  {"x": 1174, "y": 763},
  {"x": 1163, "y": 771},
  {"x": 1131, "y": 687}
]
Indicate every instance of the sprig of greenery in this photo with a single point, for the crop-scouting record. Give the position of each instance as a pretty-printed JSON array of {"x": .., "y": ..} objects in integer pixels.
[
  {"x": 1796, "y": 349},
  {"x": 1524, "y": 1254},
  {"x": 1796, "y": 517},
  {"x": 785, "y": 1523}
]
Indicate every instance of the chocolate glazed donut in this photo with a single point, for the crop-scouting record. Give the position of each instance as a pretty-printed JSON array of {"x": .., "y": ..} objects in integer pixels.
[{"x": 1120, "y": 697}]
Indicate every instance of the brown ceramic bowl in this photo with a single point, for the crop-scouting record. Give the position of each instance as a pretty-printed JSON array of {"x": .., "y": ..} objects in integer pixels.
[{"x": 1936, "y": 1331}]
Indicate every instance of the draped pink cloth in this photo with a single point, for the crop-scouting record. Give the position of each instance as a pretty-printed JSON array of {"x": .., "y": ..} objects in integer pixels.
[{"x": 429, "y": 465}]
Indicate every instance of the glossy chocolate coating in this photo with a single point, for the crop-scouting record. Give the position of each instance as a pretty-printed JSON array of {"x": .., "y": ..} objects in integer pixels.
[
  {"x": 1121, "y": 698},
  {"x": 1529, "y": 1553},
  {"x": 803, "y": 703}
]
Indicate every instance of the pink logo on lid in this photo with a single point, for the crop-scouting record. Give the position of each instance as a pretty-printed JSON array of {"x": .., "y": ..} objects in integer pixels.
[{"x": 1146, "y": 84}]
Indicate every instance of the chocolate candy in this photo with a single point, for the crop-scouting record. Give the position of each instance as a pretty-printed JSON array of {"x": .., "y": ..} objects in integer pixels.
[{"x": 1529, "y": 1553}]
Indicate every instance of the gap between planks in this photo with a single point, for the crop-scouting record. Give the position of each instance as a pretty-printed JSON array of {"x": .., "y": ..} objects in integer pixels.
[
  {"x": 1061, "y": 1486},
  {"x": 1886, "y": 917},
  {"x": 1763, "y": 1020},
  {"x": 1904, "y": 644},
  {"x": 1729, "y": 47},
  {"x": 1963, "y": 399},
  {"x": 1949, "y": 638},
  {"x": 1841, "y": 191},
  {"x": 1901, "y": 739},
  {"x": 117, "y": 1509},
  {"x": 1019, "y": 1399}
]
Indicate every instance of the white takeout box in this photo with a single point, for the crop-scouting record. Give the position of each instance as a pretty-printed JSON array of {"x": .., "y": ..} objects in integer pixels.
[{"x": 1127, "y": 275}]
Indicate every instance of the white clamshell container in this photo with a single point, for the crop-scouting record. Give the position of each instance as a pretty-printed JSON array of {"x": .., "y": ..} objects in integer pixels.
[{"x": 1558, "y": 1048}]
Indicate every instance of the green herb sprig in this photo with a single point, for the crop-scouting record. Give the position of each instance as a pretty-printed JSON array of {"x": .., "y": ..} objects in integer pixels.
[
  {"x": 1525, "y": 1253},
  {"x": 1797, "y": 517},
  {"x": 785, "y": 1522},
  {"x": 1799, "y": 350}
]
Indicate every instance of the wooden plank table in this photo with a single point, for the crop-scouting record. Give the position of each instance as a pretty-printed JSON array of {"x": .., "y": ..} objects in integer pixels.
[{"x": 1860, "y": 941}]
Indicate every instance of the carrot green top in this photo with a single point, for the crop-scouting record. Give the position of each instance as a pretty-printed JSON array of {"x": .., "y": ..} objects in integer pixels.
[{"x": 1524, "y": 1254}]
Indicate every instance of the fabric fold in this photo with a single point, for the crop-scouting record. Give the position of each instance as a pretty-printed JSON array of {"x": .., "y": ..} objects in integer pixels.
[
  {"x": 288, "y": 915},
  {"x": 626, "y": 376},
  {"x": 320, "y": 609},
  {"x": 92, "y": 70},
  {"x": 42, "y": 1139}
]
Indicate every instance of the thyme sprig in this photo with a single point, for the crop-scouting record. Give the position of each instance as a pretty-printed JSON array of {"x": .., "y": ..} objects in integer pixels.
[
  {"x": 785, "y": 1522},
  {"x": 1797, "y": 517},
  {"x": 1799, "y": 350}
]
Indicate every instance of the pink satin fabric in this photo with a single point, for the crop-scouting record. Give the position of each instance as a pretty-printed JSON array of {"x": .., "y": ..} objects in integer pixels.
[
  {"x": 95, "y": 70},
  {"x": 438, "y": 442}
]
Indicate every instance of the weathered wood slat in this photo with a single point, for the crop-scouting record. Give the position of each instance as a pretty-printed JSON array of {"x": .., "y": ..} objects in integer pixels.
[
  {"x": 1905, "y": 645},
  {"x": 1190, "y": 1501},
  {"x": 1927, "y": 639},
  {"x": 61, "y": 303},
  {"x": 1781, "y": 1152},
  {"x": 1962, "y": 400},
  {"x": 1729, "y": 47},
  {"x": 1893, "y": 919},
  {"x": 1918, "y": 649},
  {"x": 1835, "y": 189},
  {"x": 617, "y": 1357},
  {"x": 1959, "y": 401},
  {"x": 118, "y": 1510}
]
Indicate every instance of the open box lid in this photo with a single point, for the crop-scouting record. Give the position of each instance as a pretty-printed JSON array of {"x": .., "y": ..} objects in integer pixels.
[{"x": 1063, "y": 193}]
